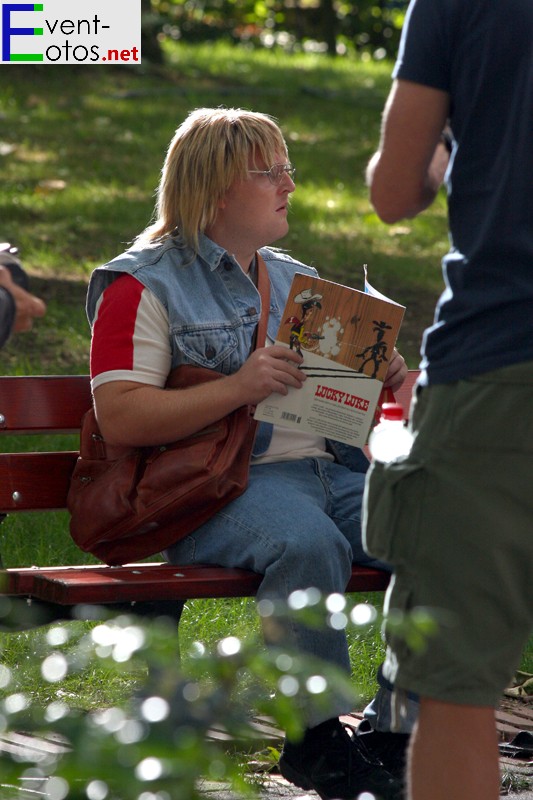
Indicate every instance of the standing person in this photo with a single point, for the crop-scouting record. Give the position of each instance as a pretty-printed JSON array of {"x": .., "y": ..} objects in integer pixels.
[
  {"x": 463, "y": 542},
  {"x": 185, "y": 293}
]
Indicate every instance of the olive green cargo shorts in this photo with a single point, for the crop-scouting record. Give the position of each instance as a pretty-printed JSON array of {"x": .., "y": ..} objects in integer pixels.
[{"x": 455, "y": 520}]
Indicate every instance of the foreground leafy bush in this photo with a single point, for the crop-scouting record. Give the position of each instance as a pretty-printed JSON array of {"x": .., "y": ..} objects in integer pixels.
[{"x": 156, "y": 744}]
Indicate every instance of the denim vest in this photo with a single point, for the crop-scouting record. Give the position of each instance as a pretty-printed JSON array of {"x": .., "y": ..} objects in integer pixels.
[{"x": 213, "y": 307}]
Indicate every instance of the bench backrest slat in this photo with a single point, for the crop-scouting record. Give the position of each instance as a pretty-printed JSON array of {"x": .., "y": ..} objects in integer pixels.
[
  {"x": 35, "y": 481},
  {"x": 43, "y": 403},
  {"x": 404, "y": 393}
]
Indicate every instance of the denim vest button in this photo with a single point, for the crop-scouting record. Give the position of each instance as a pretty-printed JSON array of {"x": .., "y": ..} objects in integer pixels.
[
  {"x": 251, "y": 311},
  {"x": 210, "y": 352},
  {"x": 227, "y": 265}
]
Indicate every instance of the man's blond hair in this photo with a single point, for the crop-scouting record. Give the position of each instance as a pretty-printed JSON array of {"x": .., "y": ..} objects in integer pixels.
[{"x": 209, "y": 151}]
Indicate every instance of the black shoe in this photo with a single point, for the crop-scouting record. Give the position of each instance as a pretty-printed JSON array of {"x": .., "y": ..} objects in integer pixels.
[
  {"x": 389, "y": 748},
  {"x": 331, "y": 761}
]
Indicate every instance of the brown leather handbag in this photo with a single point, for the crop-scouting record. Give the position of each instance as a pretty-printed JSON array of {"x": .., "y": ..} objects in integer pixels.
[{"x": 128, "y": 503}]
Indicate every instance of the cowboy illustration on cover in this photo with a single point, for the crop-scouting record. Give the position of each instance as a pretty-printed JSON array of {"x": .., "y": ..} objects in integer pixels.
[
  {"x": 341, "y": 324},
  {"x": 375, "y": 353},
  {"x": 300, "y": 336},
  {"x": 346, "y": 338}
]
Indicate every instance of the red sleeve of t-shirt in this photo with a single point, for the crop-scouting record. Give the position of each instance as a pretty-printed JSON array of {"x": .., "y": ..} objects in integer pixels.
[{"x": 112, "y": 346}]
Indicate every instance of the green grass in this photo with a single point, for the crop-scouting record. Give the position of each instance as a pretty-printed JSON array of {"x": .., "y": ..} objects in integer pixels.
[
  {"x": 80, "y": 154},
  {"x": 89, "y": 685}
]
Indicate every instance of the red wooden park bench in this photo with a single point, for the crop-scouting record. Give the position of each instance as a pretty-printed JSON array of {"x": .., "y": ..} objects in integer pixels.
[{"x": 38, "y": 481}]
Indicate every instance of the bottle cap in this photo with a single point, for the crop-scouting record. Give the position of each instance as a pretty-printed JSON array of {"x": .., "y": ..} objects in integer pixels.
[{"x": 392, "y": 411}]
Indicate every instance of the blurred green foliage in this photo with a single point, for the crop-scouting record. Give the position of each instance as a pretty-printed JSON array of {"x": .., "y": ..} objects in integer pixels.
[
  {"x": 337, "y": 27},
  {"x": 176, "y": 726}
]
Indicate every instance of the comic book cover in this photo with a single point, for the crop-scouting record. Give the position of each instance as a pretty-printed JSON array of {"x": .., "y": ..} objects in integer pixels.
[{"x": 346, "y": 338}]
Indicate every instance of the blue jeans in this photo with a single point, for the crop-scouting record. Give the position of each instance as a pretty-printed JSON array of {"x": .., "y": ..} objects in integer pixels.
[
  {"x": 380, "y": 711},
  {"x": 299, "y": 525}
]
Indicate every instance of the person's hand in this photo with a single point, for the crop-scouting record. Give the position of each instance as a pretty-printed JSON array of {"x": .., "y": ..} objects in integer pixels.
[
  {"x": 396, "y": 373},
  {"x": 269, "y": 369},
  {"x": 27, "y": 306}
]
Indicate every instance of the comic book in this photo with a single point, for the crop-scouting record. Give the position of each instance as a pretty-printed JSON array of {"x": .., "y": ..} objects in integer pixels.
[{"x": 346, "y": 338}]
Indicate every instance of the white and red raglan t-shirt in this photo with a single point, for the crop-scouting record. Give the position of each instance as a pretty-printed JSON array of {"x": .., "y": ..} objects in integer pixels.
[
  {"x": 130, "y": 342},
  {"x": 130, "y": 336}
]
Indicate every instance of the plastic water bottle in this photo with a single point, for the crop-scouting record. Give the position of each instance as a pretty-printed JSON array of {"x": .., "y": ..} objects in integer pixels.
[{"x": 390, "y": 438}]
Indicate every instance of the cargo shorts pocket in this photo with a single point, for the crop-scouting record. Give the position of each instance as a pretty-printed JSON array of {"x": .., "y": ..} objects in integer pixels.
[{"x": 392, "y": 502}]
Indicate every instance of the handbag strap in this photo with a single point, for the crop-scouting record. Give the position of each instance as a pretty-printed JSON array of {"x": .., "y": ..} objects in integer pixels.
[{"x": 263, "y": 287}]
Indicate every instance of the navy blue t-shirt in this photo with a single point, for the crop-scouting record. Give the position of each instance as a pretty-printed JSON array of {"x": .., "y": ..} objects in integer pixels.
[{"x": 481, "y": 53}]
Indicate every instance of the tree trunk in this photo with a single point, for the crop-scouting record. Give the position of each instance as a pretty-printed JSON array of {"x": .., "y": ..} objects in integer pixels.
[
  {"x": 150, "y": 48},
  {"x": 329, "y": 23}
]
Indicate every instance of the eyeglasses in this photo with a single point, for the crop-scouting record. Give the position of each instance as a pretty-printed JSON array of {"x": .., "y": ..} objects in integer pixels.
[{"x": 276, "y": 172}]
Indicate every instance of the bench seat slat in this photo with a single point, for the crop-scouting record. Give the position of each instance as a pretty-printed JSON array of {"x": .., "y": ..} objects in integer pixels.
[{"x": 100, "y": 584}]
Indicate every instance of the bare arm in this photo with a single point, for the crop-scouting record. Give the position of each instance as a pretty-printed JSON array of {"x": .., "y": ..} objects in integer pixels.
[
  {"x": 138, "y": 414},
  {"x": 405, "y": 174},
  {"x": 27, "y": 306}
]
